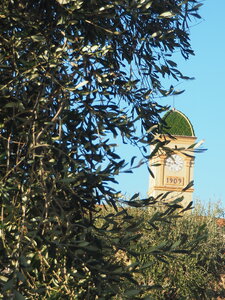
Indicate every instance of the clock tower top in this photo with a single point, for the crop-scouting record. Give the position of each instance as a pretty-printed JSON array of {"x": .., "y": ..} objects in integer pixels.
[
  {"x": 173, "y": 172},
  {"x": 177, "y": 124}
]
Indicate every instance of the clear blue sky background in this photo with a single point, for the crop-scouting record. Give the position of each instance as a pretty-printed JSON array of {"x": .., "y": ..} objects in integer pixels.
[{"x": 204, "y": 104}]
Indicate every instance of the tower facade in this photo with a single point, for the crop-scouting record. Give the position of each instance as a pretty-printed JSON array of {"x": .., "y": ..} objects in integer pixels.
[{"x": 173, "y": 172}]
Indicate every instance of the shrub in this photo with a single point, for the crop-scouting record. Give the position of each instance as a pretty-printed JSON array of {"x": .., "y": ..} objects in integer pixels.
[{"x": 195, "y": 269}]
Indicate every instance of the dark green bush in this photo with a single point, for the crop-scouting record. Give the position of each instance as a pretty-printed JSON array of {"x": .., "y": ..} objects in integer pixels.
[{"x": 193, "y": 273}]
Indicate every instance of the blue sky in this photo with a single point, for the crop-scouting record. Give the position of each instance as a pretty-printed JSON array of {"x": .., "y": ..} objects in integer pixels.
[{"x": 204, "y": 104}]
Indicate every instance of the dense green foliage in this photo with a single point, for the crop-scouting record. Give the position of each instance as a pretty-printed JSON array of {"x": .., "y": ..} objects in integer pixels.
[
  {"x": 194, "y": 275},
  {"x": 191, "y": 268},
  {"x": 75, "y": 75}
]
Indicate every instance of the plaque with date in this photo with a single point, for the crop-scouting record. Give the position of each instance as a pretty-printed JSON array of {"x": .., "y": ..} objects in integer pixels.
[{"x": 175, "y": 180}]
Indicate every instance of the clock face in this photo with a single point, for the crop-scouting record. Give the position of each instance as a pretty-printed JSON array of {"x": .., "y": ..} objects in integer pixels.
[{"x": 175, "y": 163}]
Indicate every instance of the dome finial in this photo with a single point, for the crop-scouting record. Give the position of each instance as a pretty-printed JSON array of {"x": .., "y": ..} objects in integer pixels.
[{"x": 173, "y": 103}]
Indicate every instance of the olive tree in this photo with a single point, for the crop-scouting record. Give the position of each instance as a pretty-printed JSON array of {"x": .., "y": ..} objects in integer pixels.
[{"x": 76, "y": 75}]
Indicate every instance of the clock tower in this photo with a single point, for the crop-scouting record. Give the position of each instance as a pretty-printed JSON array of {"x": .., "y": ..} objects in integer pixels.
[{"x": 174, "y": 171}]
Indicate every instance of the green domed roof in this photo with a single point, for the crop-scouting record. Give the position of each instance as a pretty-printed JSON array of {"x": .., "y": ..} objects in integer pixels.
[{"x": 177, "y": 124}]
